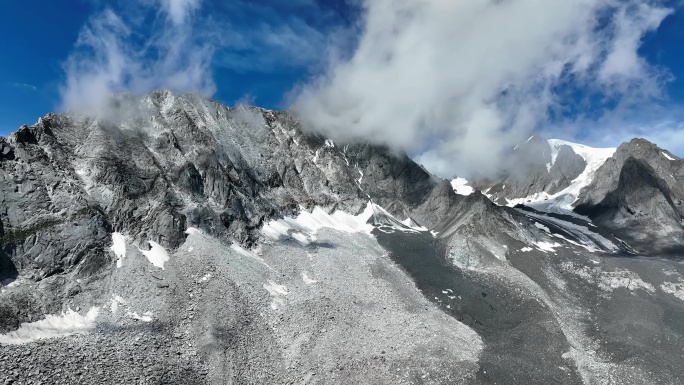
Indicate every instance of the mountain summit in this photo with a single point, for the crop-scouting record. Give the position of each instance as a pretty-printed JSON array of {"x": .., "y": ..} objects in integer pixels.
[{"x": 569, "y": 178}]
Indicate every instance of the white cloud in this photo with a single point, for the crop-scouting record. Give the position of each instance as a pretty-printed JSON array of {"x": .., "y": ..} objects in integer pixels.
[
  {"x": 666, "y": 133},
  {"x": 113, "y": 56},
  {"x": 271, "y": 45},
  {"x": 180, "y": 10},
  {"x": 25, "y": 86},
  {"x": 457, "y": 82}
]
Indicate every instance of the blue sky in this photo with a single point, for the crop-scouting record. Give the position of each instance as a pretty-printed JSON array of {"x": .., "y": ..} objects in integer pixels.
[
  {"x": 432, "y": 77},
  {"x": 37, "y": 37}
]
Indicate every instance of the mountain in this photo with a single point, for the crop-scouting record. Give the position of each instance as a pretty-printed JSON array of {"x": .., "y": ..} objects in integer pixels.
[
  {"x": 632, "y": 191},
  {"x": 547, "y": 170},
  {"x": 171, "y": 240},
  {"x": 638, "y": 194}
]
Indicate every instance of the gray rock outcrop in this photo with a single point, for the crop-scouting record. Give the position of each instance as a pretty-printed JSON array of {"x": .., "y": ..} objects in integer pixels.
[
  {"x": 531, "y": 169},
  {"x": 638, "y": 194}
]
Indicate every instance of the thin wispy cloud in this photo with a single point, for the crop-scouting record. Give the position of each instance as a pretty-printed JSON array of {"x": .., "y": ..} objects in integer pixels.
[
  {"x": 178, "y": 45},
  {"x": 456, "y": 82},
  {"x": 113, "y": 55},
  {"x": 274, "y": 36},
  {"x": 270, "y": 48},
  {"x": 452, "y": 83},
  {"x": 25, "y": 86},
  {"x": 662, "y": 126},
  {"x": 179, "y": 11}
]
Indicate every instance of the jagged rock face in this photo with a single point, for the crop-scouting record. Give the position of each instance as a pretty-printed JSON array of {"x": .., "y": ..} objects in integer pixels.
[
  {"x": 162, "y": 163},
  {"x": 638, "y": 194},
  {"x": 533, "y": 168},
  {"x": 48, "y": 220},
  {"x": 565, "y": 169},
  {"x": 400, "y": 185}
]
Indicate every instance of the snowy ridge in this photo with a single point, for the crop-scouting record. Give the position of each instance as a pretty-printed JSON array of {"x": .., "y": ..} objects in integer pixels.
[
  {"x": 584, "y": 235},
  {"x": 668, "y": 157},
  {"x": 590, "y": 154},
  {"x": 387, "y": 223},
  {"x": 157, "y": 255},
  {"x": 562, "y": 201},
  {"x": 304, "y": 227}
]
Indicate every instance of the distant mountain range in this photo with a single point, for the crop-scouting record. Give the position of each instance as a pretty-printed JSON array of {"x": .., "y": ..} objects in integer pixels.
[{"x": 634, "y": 190}]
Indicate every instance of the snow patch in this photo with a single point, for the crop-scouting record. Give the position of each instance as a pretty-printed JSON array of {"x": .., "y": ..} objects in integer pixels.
[
  {"x": 548, "y": 246},
  {"x": 388, "y": 224},
  {"x": 461, "y": 187},
  {"x": 116, "y": 301},
  {"x": 307, "y": 280},
  {"x": 157, "y": 255},
  {"x": 588, "y": 239},
  {"x": 146, "y": 317},
  {"x": 306, "y": 225},
  {"x": 588, "y": 247},
  {"x": 541, "y": 227},
  {"x": 526, "y": 249},
  {"x": 119, "y": 248},
  {"x": 276, "y": 291},
  {"x": 53, "y": 326},
  {"x": 674, "y": 288},
  {"x": 667, "y": 156},
  {"x": 193, "y": 230},
  {"x": 410, "y": 223}
]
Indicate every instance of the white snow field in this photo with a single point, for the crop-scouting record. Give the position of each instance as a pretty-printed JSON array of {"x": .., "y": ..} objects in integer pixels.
[
  {"x": 53, "y": 326},
  {"x": 562, "y": 201}
]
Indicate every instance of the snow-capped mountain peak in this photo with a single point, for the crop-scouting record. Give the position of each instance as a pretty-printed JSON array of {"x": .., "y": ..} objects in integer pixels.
[
  {"x": 565, "y": 198},
  {"x": 548, "y": 174},
  {"x": 592, "y": 155}
]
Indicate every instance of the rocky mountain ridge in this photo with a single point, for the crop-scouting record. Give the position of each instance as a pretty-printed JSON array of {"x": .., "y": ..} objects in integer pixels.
[
  {"x": 566, "y": 178},
  {"x": 175, "y": 240},
  {"x": 184, "y": 161}
]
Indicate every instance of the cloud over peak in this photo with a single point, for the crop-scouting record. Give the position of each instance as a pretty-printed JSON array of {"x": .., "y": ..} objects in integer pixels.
[
  {"x": 116, "y": 54},
  {"x": 456, "y": 82}
]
